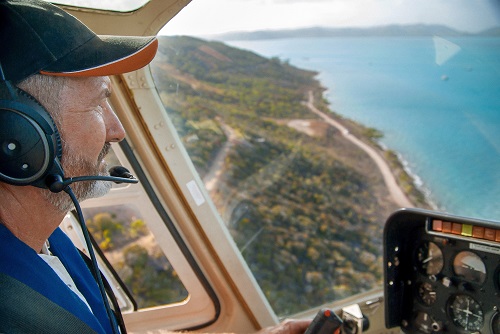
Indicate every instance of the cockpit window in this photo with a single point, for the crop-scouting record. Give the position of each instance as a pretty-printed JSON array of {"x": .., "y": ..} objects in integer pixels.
[
  {"x": 307, "y": 139},
  {"x": 120, "y": 227},
  {"x": 113, "y": 5}
]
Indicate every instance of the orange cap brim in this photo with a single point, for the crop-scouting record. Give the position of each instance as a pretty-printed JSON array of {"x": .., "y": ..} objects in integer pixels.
[{"x": 127, "y": 64}]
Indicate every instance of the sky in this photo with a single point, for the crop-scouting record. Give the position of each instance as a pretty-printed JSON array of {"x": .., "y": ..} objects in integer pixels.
[{"x": 207, "y": 17}]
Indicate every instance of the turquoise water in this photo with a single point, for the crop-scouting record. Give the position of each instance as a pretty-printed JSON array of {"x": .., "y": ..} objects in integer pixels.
[{"x": 441, "y": 115}]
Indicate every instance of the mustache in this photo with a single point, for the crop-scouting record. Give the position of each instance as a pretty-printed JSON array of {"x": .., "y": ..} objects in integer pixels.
[{"x": 104, "y": 151}]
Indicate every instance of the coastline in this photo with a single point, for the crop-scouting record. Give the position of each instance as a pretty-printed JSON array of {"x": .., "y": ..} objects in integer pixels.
[
  {"x": 388, "y": 162},
  {"x": 304, "y": 187},
  {"x": 397, "y": 187}
]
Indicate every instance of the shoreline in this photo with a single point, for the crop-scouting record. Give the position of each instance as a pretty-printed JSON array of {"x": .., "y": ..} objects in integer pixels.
[{"x": 398, "y": 195}]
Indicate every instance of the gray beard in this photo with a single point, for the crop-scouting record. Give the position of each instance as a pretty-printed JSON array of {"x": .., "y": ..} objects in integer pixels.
[{"x": 75, "y": 165}]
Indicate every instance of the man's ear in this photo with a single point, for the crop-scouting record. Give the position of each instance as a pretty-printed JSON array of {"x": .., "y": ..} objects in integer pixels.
[{"x": 30, "y": 142}]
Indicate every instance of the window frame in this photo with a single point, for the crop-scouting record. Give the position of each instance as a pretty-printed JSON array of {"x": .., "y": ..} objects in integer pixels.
[
  {"x": 201, "y": 297},
  {"x": 168, "y": 171}
]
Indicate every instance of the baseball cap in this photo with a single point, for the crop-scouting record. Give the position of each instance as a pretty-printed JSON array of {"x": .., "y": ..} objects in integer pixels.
[{"x": 38, "y": 37}]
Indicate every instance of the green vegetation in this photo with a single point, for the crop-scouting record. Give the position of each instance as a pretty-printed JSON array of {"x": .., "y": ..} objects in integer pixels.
[
  {"x": 405, "y": 180},
  {"x": 305, "y": 206},
  {"x": 138, "y": 261},
  {"x": 307, "y": 210}
]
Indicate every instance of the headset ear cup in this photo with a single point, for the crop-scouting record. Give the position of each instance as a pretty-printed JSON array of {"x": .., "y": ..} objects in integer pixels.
[{"x": 30, "y": 143}]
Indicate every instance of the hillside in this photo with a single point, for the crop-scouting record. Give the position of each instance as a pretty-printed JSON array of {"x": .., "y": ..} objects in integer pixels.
[
  {"x": 415, "y": 30},
  {"x": 305, "y": 205},
  {"x": 312, "y": 204}
]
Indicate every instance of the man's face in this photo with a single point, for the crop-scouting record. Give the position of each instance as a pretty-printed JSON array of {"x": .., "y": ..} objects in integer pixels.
[{"x": 87, "y": 125}]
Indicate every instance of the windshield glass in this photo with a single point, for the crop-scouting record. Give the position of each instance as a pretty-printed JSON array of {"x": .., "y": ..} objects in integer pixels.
[{"x": 311, "y": 121}]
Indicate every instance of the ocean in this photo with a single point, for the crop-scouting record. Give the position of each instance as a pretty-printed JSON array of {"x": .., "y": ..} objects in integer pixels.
[{"x": 437, "y": 102}]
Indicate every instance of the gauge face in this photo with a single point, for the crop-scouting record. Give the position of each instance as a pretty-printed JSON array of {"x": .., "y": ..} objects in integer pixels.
[
  {"x": 466, "y": 313},
  {"x": 430, "y": 258},
  {"x": 427, "y": 293},
  {"x": 470, "y": 266}
]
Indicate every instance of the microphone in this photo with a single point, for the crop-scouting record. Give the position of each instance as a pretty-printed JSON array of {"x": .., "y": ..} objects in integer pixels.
[
  {"x": 118, "y": 174},
  {"x": 121, "y": 172}
]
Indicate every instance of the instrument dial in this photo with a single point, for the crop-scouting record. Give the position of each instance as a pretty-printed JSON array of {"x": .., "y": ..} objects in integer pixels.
[
  {"x": 466, "y": 313},
  {"x": 470, "y": 266},
  {"x": 427, "y": 293},
  {"x": 430, "y": 258}
]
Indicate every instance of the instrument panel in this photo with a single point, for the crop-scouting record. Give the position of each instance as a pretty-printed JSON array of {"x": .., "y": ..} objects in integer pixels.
[{"x": 442, "y": 273}]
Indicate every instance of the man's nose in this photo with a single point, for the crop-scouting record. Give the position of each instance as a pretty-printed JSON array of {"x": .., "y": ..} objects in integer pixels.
[{"x": 114, "y": 128}]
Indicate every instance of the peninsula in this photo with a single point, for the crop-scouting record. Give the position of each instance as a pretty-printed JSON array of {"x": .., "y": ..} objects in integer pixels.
[{"x": 304, "y": 192}]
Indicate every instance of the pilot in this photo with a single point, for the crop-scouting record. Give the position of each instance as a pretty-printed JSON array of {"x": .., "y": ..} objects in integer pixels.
[{"x": 54, "y": 72}]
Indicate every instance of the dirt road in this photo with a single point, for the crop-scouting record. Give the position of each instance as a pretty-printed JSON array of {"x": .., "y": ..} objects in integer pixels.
[
  {"x": 211, "y": 179},
  {"x": 395, "y": 191}
]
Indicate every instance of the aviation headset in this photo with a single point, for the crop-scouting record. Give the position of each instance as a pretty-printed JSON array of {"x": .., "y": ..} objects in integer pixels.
[
  {"x": 30, "y": 142},
  {"x": 30, "y": 145}
]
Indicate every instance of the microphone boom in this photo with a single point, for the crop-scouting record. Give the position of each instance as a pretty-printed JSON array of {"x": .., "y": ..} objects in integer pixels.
[{"x": 118, "y": 174}]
